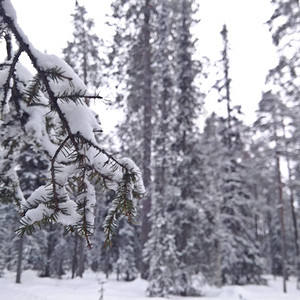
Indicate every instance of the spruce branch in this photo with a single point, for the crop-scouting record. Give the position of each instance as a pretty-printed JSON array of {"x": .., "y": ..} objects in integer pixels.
[
  {"x": 85, "y": 228},
  {"x": 122, "y": 205},
  {"x": 71, "y": 155}
]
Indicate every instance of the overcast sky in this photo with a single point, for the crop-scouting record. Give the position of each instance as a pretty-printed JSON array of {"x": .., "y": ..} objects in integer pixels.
[{"x": 47, "y": 23}]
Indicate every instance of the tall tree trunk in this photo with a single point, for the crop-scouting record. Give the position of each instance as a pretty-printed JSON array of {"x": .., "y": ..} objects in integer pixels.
[
  {"x": 81, "y": 257},
  {"x": 20, "y": 258},
  {"x": 281, "y": 213},
  {"x": 224, "y": 34},
  {"x": 218, "y": 271},
  {"x": 147, "y": 129},
  {"x": 47, "y": 272},
  {"x": 271, "y": 253},
  {"x": 74, "y": 258}
]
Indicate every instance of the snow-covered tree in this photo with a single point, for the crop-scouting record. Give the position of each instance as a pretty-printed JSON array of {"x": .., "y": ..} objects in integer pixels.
[
  {"x": 83, "y": 53},
  {"x": 126, "y": 265},
  {"x": 227, "y": 201},
  {"x": 186, "y": 164},
  {"x": 131, "y": 58},
  {"x": 171, "y": 111},
  {"x": 160, "y": 251}
]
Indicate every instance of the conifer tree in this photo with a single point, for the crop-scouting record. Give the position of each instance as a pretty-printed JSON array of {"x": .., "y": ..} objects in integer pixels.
[
  {"x": 126, "y": 265},
  {"x": 83, "y": 53},
  {"x": 132, "y": 53},
  {"x": 186, "y": 160},
  {"x": 160, "y": 251},
  {"x": 237, "y": 254}
]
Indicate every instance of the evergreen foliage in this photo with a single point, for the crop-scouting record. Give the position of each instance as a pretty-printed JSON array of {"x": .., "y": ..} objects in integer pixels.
[
  {"x": 83, "y": 53},
  {"x": 54, "y": 98},
  {"x": 221, "y": 204}
]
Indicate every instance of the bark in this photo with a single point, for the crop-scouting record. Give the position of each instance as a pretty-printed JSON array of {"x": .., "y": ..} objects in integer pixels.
[
  {"x": 147, "y": 128},
  {"x": 81, "y": 257},
  {"x": 20, "y": 258},
  {"x": 74, "y": 259},
  {"x": 224, "y": 33},
  {"x": 270, "y": 235},
  {"x": 281, "y": 211},
  {"x": 282, "y": 222}
]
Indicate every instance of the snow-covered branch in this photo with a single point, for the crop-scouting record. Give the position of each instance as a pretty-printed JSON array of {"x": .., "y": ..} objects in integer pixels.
[{"x": 49, "y": 108}]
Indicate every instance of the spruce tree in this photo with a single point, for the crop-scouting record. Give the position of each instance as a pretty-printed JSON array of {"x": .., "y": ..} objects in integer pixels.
[
  {"x": 237, "y": 253},
  {"x": 131, "y": 59},
  {"x": 160, "y": 251},
  {"x": 186, "y": 160},
  {"x": 83, "y": 53}
]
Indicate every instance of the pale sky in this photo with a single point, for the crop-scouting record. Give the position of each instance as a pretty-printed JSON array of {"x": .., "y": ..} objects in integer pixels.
[{"x": 47, "y": 23}]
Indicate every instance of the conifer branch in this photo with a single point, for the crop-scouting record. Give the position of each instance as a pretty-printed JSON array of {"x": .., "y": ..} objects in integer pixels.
[
  {"x": 6, "y": 85},
  {"x": 72, "y": 153}
]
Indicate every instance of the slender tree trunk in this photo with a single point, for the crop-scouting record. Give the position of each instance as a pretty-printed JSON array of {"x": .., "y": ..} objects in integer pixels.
[
  {"x": 60, "y": 270},
  {"x": 256, "y": 217},
  {"x": 282, "y": 221},
  {"x": 20, "y": 258},
  {"x": 218, "y": 273},
  {"x": 47, "y": 271},
  {"x": 81, "y": 257},
  {"x": 270, "y": 236},
  {"x": 74, "y": 259},
  {"x": 147, "y": 129},
  {"x": 224, "y": 33}
]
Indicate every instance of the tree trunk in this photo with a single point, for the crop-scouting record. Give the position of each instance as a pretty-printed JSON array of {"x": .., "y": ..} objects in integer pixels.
[
  {"x": 74, "y": 259},
  {"x": 282, "y": 221},
  {"x": 20, "y": 258},
  {"x": 147, "y": 129},
  {"x": 81, "y": 257},
  {"x": 218, "y": 272},
  {"x": 292, "y": 204},
  {"x": 270, "y": 236}
]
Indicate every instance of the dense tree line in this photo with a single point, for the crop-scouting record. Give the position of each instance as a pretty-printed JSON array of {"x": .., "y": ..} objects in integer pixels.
[{"x": 221, "y": 202}]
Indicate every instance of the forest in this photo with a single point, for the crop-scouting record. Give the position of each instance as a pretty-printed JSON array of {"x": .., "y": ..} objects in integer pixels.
[{"x": 172, "y": 194}]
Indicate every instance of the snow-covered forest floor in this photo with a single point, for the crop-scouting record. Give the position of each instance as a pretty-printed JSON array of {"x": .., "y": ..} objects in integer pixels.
[{"x": 88, "y": 288}]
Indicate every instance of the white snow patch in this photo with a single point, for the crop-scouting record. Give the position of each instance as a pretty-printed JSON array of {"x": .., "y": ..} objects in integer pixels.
[
  {"x": 81, "y": 119},
  {"x": 88, "y": 288}
]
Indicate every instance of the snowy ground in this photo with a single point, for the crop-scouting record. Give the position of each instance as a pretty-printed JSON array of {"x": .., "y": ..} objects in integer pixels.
[{"x": 88, "y": 288}]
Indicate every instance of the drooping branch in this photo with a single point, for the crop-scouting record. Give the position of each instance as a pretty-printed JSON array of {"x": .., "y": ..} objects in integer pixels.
[{"x": 75, "y": 157}]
